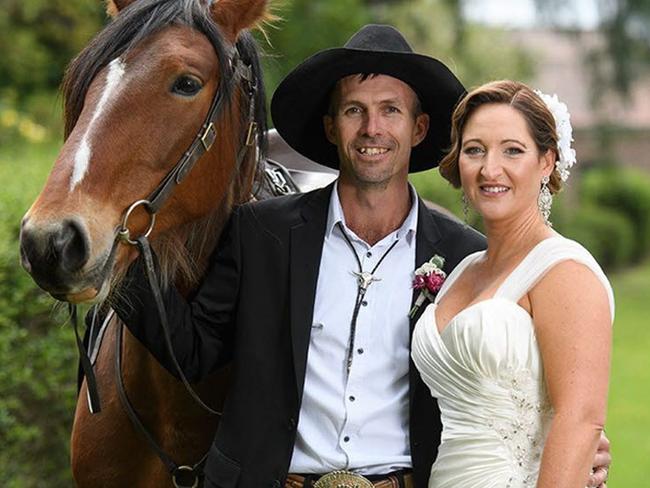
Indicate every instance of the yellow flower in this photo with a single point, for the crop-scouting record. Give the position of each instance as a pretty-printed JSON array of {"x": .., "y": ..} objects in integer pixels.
[
  {"x": 8, "y": 117},
  {"x": 31, "y": 131}
]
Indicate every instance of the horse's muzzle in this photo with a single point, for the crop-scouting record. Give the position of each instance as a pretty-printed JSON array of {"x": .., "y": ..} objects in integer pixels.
[{"x": 55, "y": 255}]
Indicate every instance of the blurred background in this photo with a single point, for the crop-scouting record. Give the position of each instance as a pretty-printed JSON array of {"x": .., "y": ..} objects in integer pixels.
[{"x": 595, "y": 54}]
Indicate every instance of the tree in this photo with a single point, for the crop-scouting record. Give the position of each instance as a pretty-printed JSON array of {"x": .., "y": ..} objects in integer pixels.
[
  {"x": 435, "y": 27},
  {"x": 38, "y": 38},
  {"x": 627, "y": 30},
  {"x": 475, "y": 53},
  {"x": 625, "y": 55},
  {"x": 304, "y": 27}
]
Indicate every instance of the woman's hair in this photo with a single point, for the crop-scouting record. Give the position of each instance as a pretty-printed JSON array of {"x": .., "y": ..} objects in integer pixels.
[{"x": 520, "y": 97}]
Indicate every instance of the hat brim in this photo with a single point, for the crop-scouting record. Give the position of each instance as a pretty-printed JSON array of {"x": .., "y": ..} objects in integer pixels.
[{"x": 301, "y": 100}]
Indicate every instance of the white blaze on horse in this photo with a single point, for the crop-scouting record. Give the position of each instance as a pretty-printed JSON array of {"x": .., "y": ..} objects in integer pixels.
[{"x": 138, "y": 100}]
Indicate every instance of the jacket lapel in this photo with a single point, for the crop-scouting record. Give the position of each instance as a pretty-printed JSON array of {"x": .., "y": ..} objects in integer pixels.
[
  {"x": 427, "y": 243},
  {"x": 305, "y": 255}
]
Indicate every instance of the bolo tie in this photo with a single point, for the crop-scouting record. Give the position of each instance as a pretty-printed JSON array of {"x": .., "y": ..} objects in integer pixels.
[{"x": 364, "y": 280}]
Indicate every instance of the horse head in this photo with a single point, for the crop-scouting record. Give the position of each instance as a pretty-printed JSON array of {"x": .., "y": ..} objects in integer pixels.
[{"x": 136, "y": 99}]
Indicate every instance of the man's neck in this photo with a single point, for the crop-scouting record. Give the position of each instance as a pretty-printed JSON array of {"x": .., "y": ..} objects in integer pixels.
[{"x": 373, "y": 212}]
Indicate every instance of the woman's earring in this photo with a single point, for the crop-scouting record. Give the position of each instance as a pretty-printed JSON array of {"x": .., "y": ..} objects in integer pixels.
[
  {"x": 545, "y": 200},
  {"x": 463, "y": 198}
]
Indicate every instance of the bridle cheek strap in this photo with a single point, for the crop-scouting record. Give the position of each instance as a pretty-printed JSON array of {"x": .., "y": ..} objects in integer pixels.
[{"x": 203, "y": 141}]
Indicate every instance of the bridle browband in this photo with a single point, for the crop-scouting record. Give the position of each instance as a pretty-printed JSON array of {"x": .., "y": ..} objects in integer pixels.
[{"x": 183, "y": 476}]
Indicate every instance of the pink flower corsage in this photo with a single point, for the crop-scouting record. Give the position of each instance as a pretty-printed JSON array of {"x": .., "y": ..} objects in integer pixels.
[{"x": 428, "y": 280}]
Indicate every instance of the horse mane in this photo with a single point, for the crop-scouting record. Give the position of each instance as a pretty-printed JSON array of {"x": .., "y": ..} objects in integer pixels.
[{"x": 182, "y": 251}]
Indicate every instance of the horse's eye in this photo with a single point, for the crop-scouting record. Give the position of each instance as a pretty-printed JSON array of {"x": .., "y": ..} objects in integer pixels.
[{"x": 186, "y": 86}]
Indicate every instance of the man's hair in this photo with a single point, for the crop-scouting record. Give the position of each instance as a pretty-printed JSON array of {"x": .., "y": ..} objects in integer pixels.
[{"x": 335, "y": 96}]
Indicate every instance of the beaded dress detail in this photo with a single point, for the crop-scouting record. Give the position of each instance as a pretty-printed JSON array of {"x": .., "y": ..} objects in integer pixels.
[{"x": 486, "y": 371}]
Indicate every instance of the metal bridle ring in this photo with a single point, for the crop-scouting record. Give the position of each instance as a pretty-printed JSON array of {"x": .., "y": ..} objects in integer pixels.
[
  {"x": 185, "y": 470},
  {"x": 123, "y": 233}
]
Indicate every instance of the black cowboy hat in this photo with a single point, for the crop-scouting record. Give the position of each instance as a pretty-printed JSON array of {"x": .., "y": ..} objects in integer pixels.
[{"x": 301, "y": 100}]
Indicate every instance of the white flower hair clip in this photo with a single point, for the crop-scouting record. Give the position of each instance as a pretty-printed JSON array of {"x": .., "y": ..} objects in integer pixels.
[{"x": 566, "y": 154}]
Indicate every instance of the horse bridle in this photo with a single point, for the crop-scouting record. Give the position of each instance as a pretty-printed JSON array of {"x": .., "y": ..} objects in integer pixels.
[{"x": 183, "y": 476}]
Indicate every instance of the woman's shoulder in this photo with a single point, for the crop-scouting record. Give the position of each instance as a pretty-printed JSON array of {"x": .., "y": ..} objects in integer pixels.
[
  {"x": 563, "y": 264},
  {"x": 559, "y": 249}
]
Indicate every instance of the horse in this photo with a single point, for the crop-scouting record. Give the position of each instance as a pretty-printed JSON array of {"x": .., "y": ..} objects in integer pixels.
[{"x": 165, "y": 78}]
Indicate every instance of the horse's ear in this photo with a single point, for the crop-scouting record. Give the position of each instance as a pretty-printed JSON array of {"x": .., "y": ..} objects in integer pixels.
[
  {"x": 113, "y": 7},
  {"x": 233, "y": 16}
]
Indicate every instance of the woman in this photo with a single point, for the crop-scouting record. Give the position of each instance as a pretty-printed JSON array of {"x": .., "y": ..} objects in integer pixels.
[{"x": 516, "y": 345}]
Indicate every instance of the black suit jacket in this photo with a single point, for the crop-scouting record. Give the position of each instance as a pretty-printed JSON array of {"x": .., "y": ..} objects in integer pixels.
[{"x": 254, "y": 310}]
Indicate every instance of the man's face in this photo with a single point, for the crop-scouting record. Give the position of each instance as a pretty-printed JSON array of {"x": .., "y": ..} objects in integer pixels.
[{"x": 374, "y": 126}]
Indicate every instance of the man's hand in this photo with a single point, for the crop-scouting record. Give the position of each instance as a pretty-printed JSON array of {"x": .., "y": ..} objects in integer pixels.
[{"x": 602, "y": 460}]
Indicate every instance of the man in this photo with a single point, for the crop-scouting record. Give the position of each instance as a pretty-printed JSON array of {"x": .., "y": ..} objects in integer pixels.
[{"x": 308, "y": 296}]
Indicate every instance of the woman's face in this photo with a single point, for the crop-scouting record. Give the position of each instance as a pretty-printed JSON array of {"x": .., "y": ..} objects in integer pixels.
[{"x": 501, "y": 168}]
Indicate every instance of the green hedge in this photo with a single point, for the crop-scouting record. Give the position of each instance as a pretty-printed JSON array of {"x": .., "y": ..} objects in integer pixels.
[
  {"x": 606, "y": 233},
  {"x": 37, "y": 354},
  {"x": 626, "y": 191}
]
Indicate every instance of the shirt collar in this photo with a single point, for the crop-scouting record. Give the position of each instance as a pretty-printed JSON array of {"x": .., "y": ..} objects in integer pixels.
[{"x": 408, "y": 227}]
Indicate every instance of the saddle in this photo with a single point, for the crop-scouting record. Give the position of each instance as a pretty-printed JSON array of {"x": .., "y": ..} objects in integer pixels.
[{"x": 285, "y": 171}]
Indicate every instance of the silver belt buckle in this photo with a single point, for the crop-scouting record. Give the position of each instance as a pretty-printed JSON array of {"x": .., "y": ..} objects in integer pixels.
[{"x": 343, "y": 479}]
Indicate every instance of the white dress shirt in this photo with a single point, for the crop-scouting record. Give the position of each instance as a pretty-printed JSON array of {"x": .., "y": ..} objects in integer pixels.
[{"x": 358, "y": 422}]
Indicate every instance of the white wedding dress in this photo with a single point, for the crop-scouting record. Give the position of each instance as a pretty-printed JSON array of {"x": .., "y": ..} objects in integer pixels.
[{"x": 486, "y": 371}]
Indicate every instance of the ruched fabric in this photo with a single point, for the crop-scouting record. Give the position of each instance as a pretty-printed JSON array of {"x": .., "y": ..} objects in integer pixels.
[{"x": 486, "y": 371}]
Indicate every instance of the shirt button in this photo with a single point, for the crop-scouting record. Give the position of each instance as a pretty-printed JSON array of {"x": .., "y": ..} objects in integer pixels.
[
  {"x": 368, "y": 254},
  {"x": 360, "y": 350},
  {"x": 352, "y": 398},
  {"x": 364, "y": 303},
  {"x": 346, "y": 439}
]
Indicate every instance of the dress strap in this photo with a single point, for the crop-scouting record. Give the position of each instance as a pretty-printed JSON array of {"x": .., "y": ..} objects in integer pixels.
[
  {"x": 541, "y": 259},
  {"x": 456, "y": 272}
]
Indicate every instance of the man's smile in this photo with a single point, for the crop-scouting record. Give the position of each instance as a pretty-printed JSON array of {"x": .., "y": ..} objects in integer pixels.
[{"x": 372, "y": 151}]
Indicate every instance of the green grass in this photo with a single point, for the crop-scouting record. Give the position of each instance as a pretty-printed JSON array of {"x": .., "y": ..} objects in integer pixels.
[
  {"x": 628, "y": 420},
  {"x": 24, "y": 167}
]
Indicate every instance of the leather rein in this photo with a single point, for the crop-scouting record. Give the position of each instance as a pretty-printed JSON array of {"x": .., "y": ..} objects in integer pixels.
[{"x": 183, "y": 476}]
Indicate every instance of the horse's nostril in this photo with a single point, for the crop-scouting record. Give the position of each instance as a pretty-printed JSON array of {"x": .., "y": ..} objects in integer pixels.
[
  {"x": 24, "y": 253},
  {"x": 70, "y": 245}
]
